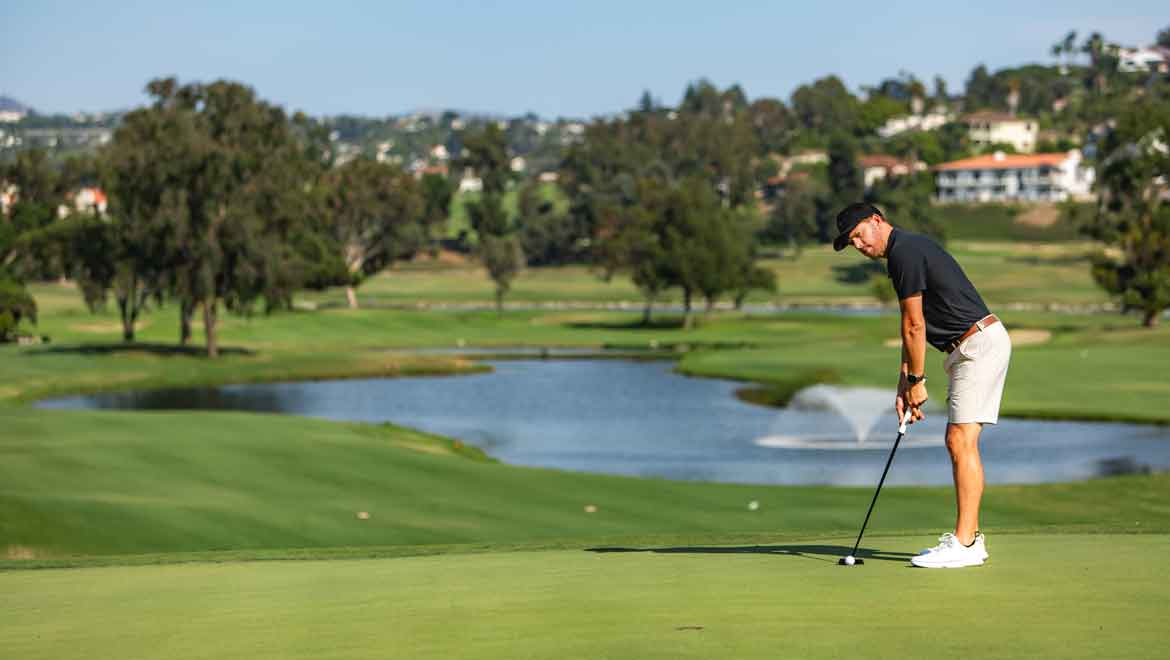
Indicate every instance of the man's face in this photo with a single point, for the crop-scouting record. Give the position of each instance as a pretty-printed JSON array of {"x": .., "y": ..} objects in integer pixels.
[{"x": 867, "y": 237}]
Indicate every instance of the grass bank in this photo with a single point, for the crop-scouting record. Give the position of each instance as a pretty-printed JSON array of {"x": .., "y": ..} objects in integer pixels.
[{"x": 82, "y": 486}]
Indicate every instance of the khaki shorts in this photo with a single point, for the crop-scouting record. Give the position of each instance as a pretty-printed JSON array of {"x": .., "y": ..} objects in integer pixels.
[{"x": 976, "y": 372}]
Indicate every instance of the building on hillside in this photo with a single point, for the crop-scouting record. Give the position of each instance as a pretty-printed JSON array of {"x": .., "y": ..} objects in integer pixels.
[
  {"x": 988, "y": 128},
  {"x": 927, "y": 122},
  {"x": 1000, "y": 177},
  {"x": 881, "y": 166},
  {"x": 1141, "y": 60},
  {"x": 11, "y": 116},
  {"x": 518, "y": 164},
  {"x": 437, "y": 170},
  {"x": 7, "y": 197}
]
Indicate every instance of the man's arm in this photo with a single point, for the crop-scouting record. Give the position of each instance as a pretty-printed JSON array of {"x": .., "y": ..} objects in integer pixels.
[{"x": 913, "y": 354}]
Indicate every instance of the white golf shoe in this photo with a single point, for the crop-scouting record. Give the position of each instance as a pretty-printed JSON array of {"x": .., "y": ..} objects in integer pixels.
[{"x": 950, "y": 553}]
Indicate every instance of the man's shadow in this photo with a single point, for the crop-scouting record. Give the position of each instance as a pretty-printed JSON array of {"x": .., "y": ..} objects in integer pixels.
[{"x": 829, "y": 553}]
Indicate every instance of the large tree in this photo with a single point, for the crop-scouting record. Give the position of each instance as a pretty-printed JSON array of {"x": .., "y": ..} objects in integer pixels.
[
  {"x": 374, "y": 213},
  {"x": 1132, "y": 214},
  {"x": 228, "y": 152}
]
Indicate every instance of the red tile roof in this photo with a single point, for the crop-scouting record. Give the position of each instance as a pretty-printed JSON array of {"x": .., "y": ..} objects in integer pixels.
[{"x": 1004, "y": 162}]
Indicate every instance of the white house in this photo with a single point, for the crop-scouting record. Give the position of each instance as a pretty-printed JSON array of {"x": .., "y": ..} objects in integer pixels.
[
  {"x": 880, "y": 166},
  {"x": 1047, "y": 177},
  {"x": 439, "y": 152},
  {"x": 927, "y": 122},
  {"x": 1136, "y": 60},
  {"x": 987, "y": 128}
]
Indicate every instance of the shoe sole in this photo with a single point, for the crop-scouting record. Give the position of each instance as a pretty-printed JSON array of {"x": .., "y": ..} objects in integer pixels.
[{"x": 952, "y": 564}]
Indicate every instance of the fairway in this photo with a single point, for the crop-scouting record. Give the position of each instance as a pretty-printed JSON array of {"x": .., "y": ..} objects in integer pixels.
[{"x": 1066, "y": 596}]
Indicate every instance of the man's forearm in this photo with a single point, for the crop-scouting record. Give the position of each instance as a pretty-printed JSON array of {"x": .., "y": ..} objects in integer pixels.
[{"x": 913, "y": 347}]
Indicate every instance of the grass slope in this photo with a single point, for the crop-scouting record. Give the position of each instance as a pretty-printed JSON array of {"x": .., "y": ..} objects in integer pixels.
[
  {"x": 1070, "y": 597},
  {"x": 96, "y": 484}
]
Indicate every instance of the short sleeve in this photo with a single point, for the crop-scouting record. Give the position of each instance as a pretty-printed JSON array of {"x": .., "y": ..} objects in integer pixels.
[{"x": 908, "y": 273}]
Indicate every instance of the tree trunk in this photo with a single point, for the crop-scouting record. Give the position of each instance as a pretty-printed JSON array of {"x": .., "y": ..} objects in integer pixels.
[
  {"x": 127, "y": 319},
  {"x": 499, "y": 299},
  {"x": 688, "y": 319},
  {"x": 209, "y": 328},
  {"x": 1150, "y": 318},
  {"x": 351, "y": 295},
  {"x": 646, "y": 311},
  {"x": 186, "y": 311}
]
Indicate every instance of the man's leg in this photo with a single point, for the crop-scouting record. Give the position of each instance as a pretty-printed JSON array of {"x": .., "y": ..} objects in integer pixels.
[{"x": 967, "y": 469}]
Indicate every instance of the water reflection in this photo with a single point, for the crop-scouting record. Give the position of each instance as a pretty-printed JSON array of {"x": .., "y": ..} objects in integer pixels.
[{"x": 641, "y": 419}]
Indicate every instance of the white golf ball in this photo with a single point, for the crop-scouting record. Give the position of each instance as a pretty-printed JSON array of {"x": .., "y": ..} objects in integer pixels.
[
  {"x": 753, "y": 505},
  {"x": 849, "y": 561}
]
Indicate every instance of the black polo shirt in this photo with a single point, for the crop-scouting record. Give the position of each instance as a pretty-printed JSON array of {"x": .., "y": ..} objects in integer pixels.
[{"x": 950, "y": 303}]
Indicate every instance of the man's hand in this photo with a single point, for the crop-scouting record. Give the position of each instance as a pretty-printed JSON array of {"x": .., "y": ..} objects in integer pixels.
[{"x": 916, "y": 396}]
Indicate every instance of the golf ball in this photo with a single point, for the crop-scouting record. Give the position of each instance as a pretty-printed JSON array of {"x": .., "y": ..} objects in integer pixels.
[
  {"x": 753, "y": 505},
  {"x": 849, "y": 561}
]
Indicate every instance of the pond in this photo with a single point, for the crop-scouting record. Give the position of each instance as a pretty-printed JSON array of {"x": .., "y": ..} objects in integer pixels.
[{"x": 642, "y": 419}]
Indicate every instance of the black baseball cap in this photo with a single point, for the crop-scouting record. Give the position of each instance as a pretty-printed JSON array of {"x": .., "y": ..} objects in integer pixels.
[{"x": 850, "y": 217}]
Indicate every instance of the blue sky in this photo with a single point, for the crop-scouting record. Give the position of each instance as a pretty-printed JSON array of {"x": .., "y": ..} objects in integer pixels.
[{"x": 554, "y": 58}]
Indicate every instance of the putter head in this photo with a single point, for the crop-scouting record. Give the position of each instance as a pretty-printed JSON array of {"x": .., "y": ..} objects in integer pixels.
[{"x": 857, "y": 561}]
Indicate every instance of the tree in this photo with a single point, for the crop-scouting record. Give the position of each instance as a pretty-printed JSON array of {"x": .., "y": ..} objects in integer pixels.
[
  {"x": 846, "y": 184},
  {"x": 38, "y": 195},
  {"x": 1163, "y": 38},
  {"x": 437, "y": 192},
  {"x": 487, "y": 154},
  {"x": 825, "y": 106},
  {"x": 547, "y": 236},
  {"x": 374, "y": 213},
  {"x": 15, "y": 305},
  {"x": 793, "y": 219},
  {"x": 229, "y": 154},
  {"x": 1132, "y": 213}
]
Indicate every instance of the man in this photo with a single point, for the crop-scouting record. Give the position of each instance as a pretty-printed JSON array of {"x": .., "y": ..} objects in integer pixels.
[{"x": 941, "y": 307}]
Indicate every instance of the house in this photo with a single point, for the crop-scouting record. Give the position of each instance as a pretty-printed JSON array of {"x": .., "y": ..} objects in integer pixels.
[
  {"x": 988, "y": 128},
  {"x": 880, "y": 166},
  {"x": 518, "y": 164},
  {"x": 917, "y": 122},
  {"x": 439, "y": 152},
  {"x": 1141, "y": 60},
  {"x": 1046, "y": 177},
  {"x": 549, "y": 177},
  {"x": 90, "y": 199},
  {"x": 7, "y": 197}
]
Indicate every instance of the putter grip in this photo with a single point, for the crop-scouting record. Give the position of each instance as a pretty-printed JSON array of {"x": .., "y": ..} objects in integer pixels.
[{"x": 905, "y": 420}]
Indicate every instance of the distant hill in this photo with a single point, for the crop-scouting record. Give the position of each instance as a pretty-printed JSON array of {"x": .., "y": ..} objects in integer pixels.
[{"x": 9, "y": 104}]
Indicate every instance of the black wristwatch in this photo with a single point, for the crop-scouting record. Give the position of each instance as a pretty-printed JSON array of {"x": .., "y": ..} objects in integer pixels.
[{"x": 914, "y": 380}]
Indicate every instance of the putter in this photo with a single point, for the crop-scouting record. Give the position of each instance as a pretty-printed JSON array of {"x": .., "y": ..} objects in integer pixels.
[{"x": 852, "y": 559}]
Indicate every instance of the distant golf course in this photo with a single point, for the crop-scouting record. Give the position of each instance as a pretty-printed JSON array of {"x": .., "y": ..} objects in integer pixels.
[{"x": 199, "y": 534}]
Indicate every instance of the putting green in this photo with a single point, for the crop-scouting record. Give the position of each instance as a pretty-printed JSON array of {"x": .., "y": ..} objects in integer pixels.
[{"x": 1039, "y": 596}]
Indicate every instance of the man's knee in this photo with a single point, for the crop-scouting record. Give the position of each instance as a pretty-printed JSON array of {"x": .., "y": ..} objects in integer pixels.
[{"x": 963, "y": 438}]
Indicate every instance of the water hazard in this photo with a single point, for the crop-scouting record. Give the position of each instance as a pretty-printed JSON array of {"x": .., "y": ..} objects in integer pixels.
[{"x": 641, "y": 419}]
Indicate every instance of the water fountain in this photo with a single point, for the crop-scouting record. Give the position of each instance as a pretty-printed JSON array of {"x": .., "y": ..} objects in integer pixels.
[{"x": 860, "y": 407}]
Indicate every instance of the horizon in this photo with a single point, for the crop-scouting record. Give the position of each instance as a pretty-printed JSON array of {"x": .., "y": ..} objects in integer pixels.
[{"x": 571, "y": 62}]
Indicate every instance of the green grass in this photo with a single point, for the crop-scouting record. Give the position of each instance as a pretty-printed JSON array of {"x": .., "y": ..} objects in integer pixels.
[
  {"x": 1006, "y": 273},
  {"x": 84, "y": 485},
  {"x": 1097, "y": 597},
  {"x": 1001, "y": 222},
  {"x": 168, "y": 524}
]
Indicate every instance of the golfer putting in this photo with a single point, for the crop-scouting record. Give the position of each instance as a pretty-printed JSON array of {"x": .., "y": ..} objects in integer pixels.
[{"x": 940, "y": 306}]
